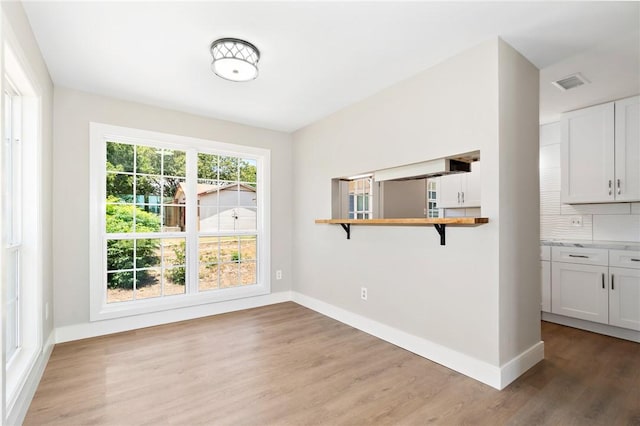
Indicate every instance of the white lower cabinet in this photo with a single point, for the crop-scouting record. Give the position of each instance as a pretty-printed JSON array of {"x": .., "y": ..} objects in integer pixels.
[
  {"x": 580, "y": 291},
  {"x": 545, "y": 271},
  {"x": 597, "y": 285},
  {"x": 545, "y": 275},
  {"x": 624, "y": 298}
]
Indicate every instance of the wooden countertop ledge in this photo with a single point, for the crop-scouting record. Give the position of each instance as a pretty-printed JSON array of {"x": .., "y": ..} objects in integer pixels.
[{"x": 454, "y": 221}]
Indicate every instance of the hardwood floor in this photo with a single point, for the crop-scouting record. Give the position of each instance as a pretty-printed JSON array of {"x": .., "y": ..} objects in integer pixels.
[{"x": 287, "y": 365}]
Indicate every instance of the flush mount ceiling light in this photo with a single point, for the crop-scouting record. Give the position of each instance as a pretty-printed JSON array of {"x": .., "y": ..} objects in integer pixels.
[{"x": 235, "y": 59}]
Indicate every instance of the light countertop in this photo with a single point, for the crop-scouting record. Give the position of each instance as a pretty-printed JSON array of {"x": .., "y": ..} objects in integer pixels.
[{"x": 612, "y": 245}]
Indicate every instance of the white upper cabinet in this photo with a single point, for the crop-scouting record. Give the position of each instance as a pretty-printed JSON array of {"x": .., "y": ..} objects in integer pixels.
[
  {"x": 471, "y": 188},
  {"x": 448, "y": 195},
  {"x": 600, "y": 153},
  {"x": 460, "y": 190},
  {"x": 586, "y": 152},
  {"x": 627, "y": 149}
]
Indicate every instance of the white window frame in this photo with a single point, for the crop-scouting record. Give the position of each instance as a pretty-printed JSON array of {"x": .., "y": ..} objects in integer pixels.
[
  {"x": 21, "y": 79},
  {"x": 99, "y": 135}
]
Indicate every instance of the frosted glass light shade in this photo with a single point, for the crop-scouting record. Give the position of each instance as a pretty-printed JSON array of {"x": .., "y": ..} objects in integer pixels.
[{"x": 235, "y": 59}]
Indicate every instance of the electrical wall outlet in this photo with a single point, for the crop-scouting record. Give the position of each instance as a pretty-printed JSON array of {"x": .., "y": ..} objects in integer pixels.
[
  {"x": 279, "y": 274},
  {"x": 576, "y": 220},
  {"x": 363, "y": 293}
]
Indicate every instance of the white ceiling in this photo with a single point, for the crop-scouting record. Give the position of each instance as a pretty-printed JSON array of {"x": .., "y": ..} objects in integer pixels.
[{"x": 317, "y": 57}]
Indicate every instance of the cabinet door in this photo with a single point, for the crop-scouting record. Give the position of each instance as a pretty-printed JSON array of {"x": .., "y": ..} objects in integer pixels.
[
  {"x": 580, "y": 291},
  {"x": 449, "y": 189},
  {"x": 471, "y": 187},
  {"x": 624, "y": 298},
  {"x": 545, "y": 270},
  {"x": 627, "y": 152},
  {"x": 587, "y": 155}
]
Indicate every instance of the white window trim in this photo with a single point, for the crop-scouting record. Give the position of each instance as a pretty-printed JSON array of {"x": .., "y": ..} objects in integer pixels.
[
  {"x": 99, "y": 309},
  {"x": 24, "y": 80}
]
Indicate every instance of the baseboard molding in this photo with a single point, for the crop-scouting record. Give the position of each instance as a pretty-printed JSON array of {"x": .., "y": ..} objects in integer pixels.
[
  {"x": 469, "y": 366},
  {"x": 521, "y": 363},
  {"x": 494, "y": 376},
  {"x": 609, "y": 330},
  {"x": 101, "y": 328},
  {"x": 19, "y": 410}
]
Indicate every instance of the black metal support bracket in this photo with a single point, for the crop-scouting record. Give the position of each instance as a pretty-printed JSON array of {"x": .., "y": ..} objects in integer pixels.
[
  {"x": 347, "y": 229},
  {"x": 441, "y": 230}
]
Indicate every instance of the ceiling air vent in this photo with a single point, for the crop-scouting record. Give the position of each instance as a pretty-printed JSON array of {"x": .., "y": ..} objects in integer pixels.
[{"x": 570, "y": 82}]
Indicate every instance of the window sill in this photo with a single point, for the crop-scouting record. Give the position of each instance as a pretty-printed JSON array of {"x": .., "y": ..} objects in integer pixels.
[{"x": 166, "y": 303}]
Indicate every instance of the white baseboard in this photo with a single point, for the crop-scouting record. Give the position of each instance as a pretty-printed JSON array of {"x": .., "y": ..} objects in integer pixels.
[
  {"x": 494, "y": 376},
  {"x": 19, "y": 410},
  {"x": 595, "y": 327},
  {"x": 101, "y": 328},
  {"x": 521, "y": 363}
]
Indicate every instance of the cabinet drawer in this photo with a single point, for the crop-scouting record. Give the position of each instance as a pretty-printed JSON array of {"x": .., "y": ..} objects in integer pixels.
[
  {"x": 545, "y": 252},
  {"x": 624, "y": 259},
  {"x": 586, "y": 256}
]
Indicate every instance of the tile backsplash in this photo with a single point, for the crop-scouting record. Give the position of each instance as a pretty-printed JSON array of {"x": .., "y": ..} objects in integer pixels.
[{"x": 600, "y": 222}]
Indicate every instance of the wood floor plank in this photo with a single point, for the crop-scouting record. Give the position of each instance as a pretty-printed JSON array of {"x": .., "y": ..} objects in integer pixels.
[{"x": 286, "y": 365}]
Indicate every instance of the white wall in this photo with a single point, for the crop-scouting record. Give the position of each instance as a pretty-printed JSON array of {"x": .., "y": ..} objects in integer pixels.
[
  {"x": 519, "y": 204},
  {"x": 73, "y": 112},
  {"x": 600, "y": 222},
  {"x": 17, "y": 31},
  {"x": 446, "y": 295}
]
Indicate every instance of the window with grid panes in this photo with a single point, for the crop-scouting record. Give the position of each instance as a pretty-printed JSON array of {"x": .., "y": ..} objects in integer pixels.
[
  {"x": 144, "y": 222},
  {"x": 182, "y": 221},
  {"x": 20, "y": 233},
  {"x": 361, "y": 198},
  {"x": 432, "y": 208}
]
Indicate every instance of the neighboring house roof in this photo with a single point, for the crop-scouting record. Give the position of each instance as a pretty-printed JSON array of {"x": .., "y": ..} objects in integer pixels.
[{"x": 204, "y": 189}]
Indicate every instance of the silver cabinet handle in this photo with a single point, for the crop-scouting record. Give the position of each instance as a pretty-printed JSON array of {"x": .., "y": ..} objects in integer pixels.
[
  {"x": 458, "y": 197},
  {"x": 618, "y": 184},
  {"x": 635, "y": 260},
  {"x": 462, "y": 197},
  {"x": 579, "y": 255},
  {"x": 603, "y": 280},
  {"x": 609, "y": 186}
]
